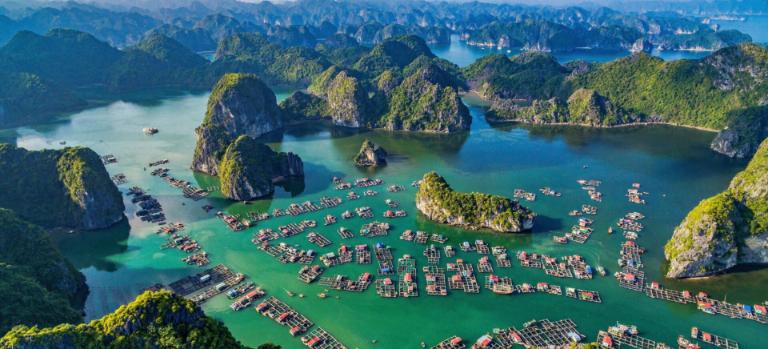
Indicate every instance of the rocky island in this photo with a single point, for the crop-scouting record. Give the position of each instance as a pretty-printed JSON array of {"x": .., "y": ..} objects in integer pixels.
[
  {"x": 240, "y": 104},
  {"x": 59, "y": 188},
  {"x": 370, "y": 155},
  {"x": 440, "y": 203},
  {"x": 249, "y": 169},
  {"x": 726, "y": 230}
]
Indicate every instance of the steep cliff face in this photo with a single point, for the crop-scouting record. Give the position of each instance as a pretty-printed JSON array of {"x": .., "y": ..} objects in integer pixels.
[
  {"x": 725, "y": 230},
  {"x": 440, "y": 203},
  {"x": 249, "y": 169},
  {"x": 347, "y": 101},
  {"x": 59, "y": 188},
  {"x": 156, "y": 319},
  {"x": 370, "y": 154},
  {"x": 426, "y": 101},
  {"x": 746, "y": 129},
  {"x": 40, "y": 286},
  {"x": 240, "y": 104}
]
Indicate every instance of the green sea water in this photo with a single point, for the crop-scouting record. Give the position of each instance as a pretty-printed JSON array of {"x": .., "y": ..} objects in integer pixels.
[{"x": 673, "y": 164}]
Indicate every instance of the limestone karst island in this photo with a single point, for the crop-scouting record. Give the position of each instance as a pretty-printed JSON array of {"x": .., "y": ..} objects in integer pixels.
[{"x": 391, "y": 174}]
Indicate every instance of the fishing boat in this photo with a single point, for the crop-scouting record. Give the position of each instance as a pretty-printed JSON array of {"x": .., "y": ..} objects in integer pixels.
[{"x": 150, "y": 131}]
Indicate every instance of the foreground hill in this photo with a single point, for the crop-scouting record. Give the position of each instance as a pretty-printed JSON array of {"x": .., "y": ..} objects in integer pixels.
[
  {"x": 38, "y": 286},
  {"x": 726, "y": 230},
  {"x": 59, "y": 188},
  {"x": 153, "y": 320}
]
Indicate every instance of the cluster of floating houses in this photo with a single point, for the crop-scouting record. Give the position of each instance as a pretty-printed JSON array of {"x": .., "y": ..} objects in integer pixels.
[{"x": 150, "y": 210}]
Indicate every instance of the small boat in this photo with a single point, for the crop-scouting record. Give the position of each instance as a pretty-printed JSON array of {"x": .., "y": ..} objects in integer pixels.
[
  {"x": 601, "y": 270},
  {"x": 289, "y": 293},
  {"x": 322, "y": 295},
  {"x": 610, "y": 230}
]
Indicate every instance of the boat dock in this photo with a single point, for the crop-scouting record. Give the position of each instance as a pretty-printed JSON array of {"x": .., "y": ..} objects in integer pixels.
[
  {"x": 436, "y": 282},
  {"x": 713, "y": 339},
  {"x": 453, "y": 342},
  {"x": 321, "y": 339},
  {"x": 362, "y": 254},
  {"x": 386, "y": 288},
  {"x": 464, "y": 279},
  {"x": 432, "y": 254},
  {"x": 318, "y": 239},
  {"x": 384, "y": 259},
  {"x": 283, "y": 314},
  {"x": 309, "y": 274},
  {"x": 207, "y": 284}
]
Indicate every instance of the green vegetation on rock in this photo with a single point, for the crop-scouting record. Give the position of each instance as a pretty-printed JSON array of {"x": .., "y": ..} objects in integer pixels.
[
  {"x": 727, "y": 229},
  {"x": 440, "y": 203},
  {"x": 38, "y": 285},
  {"x": 249, "y": 169},
  {"x": 59, "y": 188},
  {"x": 155, "y": 319}
]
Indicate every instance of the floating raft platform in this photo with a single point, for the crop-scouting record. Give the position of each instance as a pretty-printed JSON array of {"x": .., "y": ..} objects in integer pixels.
[
  {"x": 713, "y": 339},
  {"x": 544, "y": 334},
  {"x": 309, "y": 274},
  {"x": 583, "y": 295},
  {"x": 342, "y": 283},
  {"x": 362, "y": 254},
  {"x": 453, "y": 342},
  {"x": 436, "y": 282},
  {"x": 207, "y": 284},
  {"x": 318, "y": 239},
  {"x": 283, "y": 314},
  {"x": 499, "y": 284},
  {"x": 345, "y": 233},
  {"x": 406, "y": 285},
  {"x": 464, "y": 279},
  {"x": 385, "y": 260},
  {"x": 321, "y": 339},
  {"x": 433, "y": 254},
  {"x": 386, "y": 288}
]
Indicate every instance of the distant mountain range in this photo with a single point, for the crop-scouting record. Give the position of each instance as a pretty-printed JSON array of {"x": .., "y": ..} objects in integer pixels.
[{"x": 200, "y": 25}]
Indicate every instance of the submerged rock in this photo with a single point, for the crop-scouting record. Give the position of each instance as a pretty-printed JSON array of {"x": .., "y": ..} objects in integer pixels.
[
  {"x": 250, "y": 169},
  {"x": 240, "y": 104},
  {"x": 726, "y": 230},
  {"x": 371, "y": 154},
  {"x": 440, "y": 203},
  {"x": 59, "y": 188}
]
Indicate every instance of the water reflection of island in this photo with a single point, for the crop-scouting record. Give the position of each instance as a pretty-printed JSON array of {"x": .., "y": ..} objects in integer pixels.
[{"x": 87, "y": 249}]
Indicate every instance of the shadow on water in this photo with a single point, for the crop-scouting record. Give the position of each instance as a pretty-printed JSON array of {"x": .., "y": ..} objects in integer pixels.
[
  {"x": 87, "y": 249},
  {"x": 545, "y": 224}
]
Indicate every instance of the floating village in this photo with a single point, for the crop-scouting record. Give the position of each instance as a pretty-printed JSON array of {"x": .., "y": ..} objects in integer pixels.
[{"x": 393, "y": 275}]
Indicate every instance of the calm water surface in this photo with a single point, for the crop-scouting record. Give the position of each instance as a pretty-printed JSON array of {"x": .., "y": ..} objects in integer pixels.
[
  {"x": 463, "y": 55},
  {"x": 673, "y": 164}
]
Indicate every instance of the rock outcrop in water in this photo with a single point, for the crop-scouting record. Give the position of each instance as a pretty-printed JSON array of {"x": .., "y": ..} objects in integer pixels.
[
  {"x": 440, "y": 203},
  {"x": 240, "y": 104},
  {"x": 726, "y": 230},
  {"x": 370, "y": 155},
  {"x": 249, "y": 169},
  {"x": 59, "y": 188},
  {"x": 155, "y": 319}
]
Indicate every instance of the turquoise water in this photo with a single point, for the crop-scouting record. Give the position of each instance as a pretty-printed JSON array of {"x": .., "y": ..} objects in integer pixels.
[
  {"x": 673, "y": 164},
  {"x": 463, "y": 55}
]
